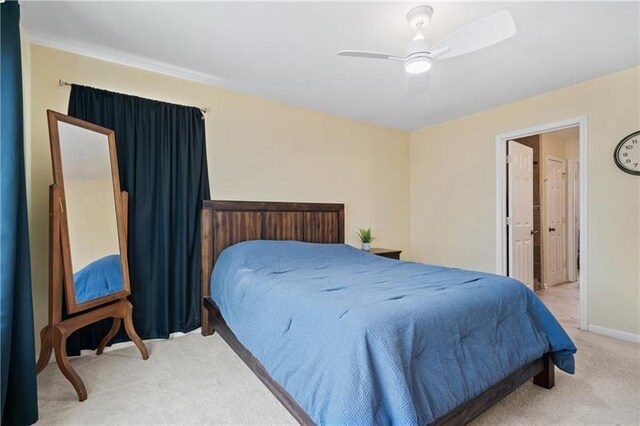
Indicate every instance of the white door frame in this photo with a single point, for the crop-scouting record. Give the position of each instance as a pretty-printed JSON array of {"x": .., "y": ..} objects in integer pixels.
[
  {"x": 501, "y": 206},
  {"x": 572, "y": 226}
]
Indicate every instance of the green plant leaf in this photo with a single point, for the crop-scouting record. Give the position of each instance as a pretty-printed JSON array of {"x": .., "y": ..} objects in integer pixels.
[{"x": 365, "y": 235}]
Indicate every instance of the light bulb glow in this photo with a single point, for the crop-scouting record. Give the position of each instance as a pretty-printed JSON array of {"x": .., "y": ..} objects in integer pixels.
[{"x": 417, "y": 65}]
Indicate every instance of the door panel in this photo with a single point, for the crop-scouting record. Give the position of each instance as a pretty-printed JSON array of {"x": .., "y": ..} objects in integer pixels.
[
  {"x": 520, "y": 211},
  {"x": 555, "y": 229}
]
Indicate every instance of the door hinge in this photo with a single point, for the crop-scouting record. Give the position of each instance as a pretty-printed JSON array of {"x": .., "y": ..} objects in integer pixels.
[
  {"x": 509, "y": 158},
  {"x": 508, "y": 221}
]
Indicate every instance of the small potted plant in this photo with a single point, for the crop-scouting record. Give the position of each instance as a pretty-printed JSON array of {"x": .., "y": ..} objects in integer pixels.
[{"x": 366, "y": 238}]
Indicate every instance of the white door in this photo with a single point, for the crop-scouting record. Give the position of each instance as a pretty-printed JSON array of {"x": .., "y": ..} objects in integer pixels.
[
  {"x": 520, "y": 211},
  {"x": 555, "y": 246}
]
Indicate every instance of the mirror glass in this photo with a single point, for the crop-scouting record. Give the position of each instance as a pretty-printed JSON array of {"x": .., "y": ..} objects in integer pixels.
[{"x": 91, "y": 212}]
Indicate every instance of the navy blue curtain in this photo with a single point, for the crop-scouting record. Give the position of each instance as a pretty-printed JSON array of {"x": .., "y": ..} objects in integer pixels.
[
  {"x": 163, "y": 166},
  {"x": 19, "y": 389}
]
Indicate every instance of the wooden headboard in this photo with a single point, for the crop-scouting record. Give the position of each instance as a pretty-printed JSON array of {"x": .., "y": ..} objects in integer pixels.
[{"x": 225, "y": 223}]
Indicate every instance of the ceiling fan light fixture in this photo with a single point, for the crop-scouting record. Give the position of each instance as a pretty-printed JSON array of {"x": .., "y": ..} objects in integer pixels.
[
  {"x": 417, "y": 65},
  {"x": 419, "y": 16},
  {"x": 420, "y": 53}
]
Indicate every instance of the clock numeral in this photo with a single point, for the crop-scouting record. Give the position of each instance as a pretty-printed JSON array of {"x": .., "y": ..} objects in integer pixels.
[{"x": 627, "y": 154}]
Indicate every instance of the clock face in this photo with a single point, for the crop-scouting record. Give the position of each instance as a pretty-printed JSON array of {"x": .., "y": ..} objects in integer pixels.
[{"x": 627, "y": 154}]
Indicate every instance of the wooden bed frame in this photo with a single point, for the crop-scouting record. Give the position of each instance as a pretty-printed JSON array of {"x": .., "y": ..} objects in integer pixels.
[{"x": 225, "y": 223}]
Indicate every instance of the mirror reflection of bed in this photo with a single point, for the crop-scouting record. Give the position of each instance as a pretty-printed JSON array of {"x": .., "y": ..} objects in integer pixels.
[{"x": 91, "y": 212}]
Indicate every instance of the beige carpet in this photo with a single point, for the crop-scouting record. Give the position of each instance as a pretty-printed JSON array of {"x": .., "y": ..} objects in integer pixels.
[{"x": 197, "y": 380}]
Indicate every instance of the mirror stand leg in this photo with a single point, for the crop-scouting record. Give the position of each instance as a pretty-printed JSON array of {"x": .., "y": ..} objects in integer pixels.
[
  {"x": 131, "y": 331},
  {"x": 46, "y": 345},
  {"x": 115, "y": 326},
  {"x": 60, "y": 348}
]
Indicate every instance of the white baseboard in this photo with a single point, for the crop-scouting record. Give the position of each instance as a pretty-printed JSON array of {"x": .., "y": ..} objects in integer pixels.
[
  {"x": 121, "y": 345},
  {"x": 623, "y": 335}
]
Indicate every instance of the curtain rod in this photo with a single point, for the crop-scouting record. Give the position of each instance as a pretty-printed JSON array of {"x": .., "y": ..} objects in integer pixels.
[{"x": 62, "y": 83}]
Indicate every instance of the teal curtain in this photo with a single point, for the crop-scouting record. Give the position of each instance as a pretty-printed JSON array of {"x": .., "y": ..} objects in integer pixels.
[
  {"x": 163, "y": 166},
  {"x": 19, "y": 390}
]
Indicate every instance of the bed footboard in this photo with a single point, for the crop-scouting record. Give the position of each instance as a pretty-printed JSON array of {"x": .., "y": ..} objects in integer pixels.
[{"x": 542, "y": 371}]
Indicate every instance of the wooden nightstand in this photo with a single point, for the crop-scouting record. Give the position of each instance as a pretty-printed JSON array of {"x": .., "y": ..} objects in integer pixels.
[{"x": 390, "y": 253}]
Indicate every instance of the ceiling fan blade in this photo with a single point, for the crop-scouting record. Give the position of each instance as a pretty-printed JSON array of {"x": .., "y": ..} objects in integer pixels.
[
  {"x": 418, "y": 84},
  {"x": 477, "y": 35},
  {"x": 372, "y": 55}
]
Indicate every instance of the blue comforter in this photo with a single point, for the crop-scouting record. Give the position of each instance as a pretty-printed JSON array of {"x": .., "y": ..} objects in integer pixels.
[
  {"x": 99, "y": 278},
  {"x": 360, "y": 339}
]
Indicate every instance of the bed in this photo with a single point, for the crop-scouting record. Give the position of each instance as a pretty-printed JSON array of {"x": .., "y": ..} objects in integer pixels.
[{"x": 340, "y": 336}]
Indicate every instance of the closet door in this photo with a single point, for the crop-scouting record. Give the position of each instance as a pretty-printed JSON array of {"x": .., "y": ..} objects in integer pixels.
[
  {"x": 520, "y": 194},
  {"x": 555, "y": 208}
]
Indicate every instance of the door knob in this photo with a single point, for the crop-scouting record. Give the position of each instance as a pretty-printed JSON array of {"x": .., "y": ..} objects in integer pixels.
[{"x": 552, "y": 229}]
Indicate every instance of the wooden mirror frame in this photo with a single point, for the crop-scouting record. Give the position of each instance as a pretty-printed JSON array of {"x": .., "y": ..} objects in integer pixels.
[
  {"x": 56, "y": 159},
  {"x": 53, "y": 336}
]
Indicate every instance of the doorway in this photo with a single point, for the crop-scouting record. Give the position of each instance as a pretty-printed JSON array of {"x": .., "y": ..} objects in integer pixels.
[{"x": 540, "y": 212}]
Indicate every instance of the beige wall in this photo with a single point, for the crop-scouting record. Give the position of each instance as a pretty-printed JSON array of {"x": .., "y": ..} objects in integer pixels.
[
  {"x": 91, "y": 216},
  {"x": 551, "y": 144},
  {"x": 572, "y": 148},
  {"x": 257, "y": 150},
  {"x": 452, "y": 190}
]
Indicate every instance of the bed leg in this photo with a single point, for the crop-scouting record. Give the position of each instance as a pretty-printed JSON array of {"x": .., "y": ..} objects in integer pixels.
[
  {"x": 546, "y": 378},
  {"x": 206, "y": 327}
]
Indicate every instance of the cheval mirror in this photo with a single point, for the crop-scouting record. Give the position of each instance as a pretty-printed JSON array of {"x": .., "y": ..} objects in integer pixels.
[{"x": 88, "y": 264}]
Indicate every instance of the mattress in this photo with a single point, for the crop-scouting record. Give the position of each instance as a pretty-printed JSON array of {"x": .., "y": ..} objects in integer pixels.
[{"x": 356, "y": 338}]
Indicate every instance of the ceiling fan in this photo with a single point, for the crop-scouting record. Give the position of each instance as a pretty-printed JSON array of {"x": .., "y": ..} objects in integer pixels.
[{"x": 420, "y": 54}]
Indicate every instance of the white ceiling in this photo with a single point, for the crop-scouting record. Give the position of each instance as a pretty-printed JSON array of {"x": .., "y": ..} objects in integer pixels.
[{"x": 287, "y": 51}]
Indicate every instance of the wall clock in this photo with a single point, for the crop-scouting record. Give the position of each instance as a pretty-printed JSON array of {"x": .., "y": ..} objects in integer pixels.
[{"x": 627, "y": 154}]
